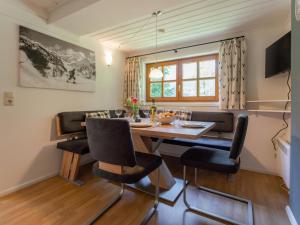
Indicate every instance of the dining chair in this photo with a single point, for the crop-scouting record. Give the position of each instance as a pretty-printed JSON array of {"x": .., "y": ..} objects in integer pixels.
[
  {"x": 111, "y": 145},
  {"x": 218, "y": 160}
]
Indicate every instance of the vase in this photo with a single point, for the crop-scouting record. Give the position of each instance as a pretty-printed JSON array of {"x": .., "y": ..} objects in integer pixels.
[{"x": 135, "y": 115}]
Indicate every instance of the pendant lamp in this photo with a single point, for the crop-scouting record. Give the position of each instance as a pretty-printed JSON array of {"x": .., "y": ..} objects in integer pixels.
[{"x": 156, "y": 73}]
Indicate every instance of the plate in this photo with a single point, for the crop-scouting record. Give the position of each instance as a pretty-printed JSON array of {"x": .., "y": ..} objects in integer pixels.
[
  {"x": 192, "y": 125},
  {"x": 140, "y": 125}
]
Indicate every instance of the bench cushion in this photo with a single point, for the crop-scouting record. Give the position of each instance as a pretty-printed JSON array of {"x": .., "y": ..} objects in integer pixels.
[
  {"x": 224, "y": 144},
  {"x": 78, "y": 146},
  {"x": 210, "y": 159}
]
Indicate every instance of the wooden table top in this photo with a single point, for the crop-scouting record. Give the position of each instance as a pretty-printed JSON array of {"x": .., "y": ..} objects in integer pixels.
[{"x": 170, "y": 131}]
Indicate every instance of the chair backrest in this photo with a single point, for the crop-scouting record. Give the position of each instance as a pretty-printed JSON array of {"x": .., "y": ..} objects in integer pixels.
[
  {"x": 110, "y": 141},
  {"x": 239, "y": 136}
]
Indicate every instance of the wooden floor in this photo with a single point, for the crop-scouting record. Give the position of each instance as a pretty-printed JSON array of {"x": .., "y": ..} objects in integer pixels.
[{"x": 56, "y": 202}]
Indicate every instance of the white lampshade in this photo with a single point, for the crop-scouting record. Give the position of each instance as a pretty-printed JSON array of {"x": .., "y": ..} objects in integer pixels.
[
  {"x": 156, "y": 74},
  {"x": 108, "y": 58}
]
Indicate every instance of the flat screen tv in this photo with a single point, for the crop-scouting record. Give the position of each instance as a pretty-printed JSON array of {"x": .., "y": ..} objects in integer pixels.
[{"x": 278, "y": 56}]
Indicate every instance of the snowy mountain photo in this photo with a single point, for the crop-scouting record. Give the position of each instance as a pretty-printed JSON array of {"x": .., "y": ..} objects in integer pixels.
[{"x": 47, "y": 62}]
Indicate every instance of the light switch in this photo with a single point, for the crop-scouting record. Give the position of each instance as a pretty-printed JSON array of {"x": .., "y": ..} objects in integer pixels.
[{"x": 8, "y": 98}]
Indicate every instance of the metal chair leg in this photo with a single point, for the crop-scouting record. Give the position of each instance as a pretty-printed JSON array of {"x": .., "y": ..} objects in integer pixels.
[
  {"x": 152, "y": 211},
  {"x": 149, "y": 214},
  {"x": 108, "y": 206},
  {"x": 213, "y": 215}
]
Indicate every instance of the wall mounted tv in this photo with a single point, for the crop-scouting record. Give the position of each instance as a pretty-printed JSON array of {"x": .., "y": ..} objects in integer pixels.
[{"x": 278, "y": 56}]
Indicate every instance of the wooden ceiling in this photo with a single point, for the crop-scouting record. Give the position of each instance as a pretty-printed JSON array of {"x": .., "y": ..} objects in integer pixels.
[
  {"x": 129, "y": 25},
  {"x": 196, "y": 19}
]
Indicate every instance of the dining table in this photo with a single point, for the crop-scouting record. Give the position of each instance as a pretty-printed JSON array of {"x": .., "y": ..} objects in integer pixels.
[{"x": 143, "y": 136}]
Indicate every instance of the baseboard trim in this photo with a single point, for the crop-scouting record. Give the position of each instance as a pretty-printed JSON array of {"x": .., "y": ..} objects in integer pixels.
[
  {"x": 267, "y": 172},
  {"x": 26, "y": 184},
  {"x": 290, "y": 215}
]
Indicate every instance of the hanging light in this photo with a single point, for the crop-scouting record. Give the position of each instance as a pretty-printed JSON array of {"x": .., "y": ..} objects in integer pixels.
[{"x": 156, "y": 73}]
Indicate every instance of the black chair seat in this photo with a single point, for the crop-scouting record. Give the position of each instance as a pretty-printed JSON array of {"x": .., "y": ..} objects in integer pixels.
[
  {"x": 220, "y": 143},
  {"x": 147, "y": 161},
  {"x": 78, "y": 146},
  {"x": 210, "y": 159}
]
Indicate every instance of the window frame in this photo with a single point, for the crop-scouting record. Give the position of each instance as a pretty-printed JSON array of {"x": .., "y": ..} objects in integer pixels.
[{"x": 179, "y": 80}]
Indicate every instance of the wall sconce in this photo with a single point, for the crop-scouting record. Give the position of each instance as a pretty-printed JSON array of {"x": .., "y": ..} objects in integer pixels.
[{"x": 108, "y": 58}]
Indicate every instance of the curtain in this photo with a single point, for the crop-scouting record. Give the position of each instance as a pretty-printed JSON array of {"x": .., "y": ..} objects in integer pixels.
[
  {"x": 132, "y": 79},
  {"x": 232, "y": 74}
]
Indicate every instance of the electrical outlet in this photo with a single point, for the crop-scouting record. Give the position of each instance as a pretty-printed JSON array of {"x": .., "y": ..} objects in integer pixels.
[{"x": 8, "y": 99}]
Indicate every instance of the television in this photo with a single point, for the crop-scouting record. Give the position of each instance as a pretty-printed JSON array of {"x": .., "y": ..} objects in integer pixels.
[{"x": 278, "y": 56}]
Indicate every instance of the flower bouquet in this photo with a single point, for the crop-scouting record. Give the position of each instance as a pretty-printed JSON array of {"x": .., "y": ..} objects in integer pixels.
[{"x": 133, "y": 103}]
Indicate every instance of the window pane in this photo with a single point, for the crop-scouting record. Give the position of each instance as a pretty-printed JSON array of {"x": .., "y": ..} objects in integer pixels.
[
  {"x": 189, "y": 88},
  {"x": 170, "y": 72},
  {"x": 189, "y": 70},
  {"x": 155, "y": 89},
  {"x": 170, "y": 89},
  {"x": 156, "y": 79},
  {"x": 207, "y": 68},
  {"x": 207, "y": 87}
]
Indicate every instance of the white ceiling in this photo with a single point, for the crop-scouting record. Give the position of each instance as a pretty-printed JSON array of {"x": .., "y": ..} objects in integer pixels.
[{"x": 129, "y": 23}]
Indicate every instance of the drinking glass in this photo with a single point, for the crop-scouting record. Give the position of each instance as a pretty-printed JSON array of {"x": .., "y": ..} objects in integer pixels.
[
  {"x": 182, "y": 114},
  {"x": 177, "y": 118},
  {"x": 119, "y": 112},
  {"x": 146, "y": 112},
  {"x": 188, "y": 114}
]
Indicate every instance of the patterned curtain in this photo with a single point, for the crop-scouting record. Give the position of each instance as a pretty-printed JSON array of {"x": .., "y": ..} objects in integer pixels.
[
  {"x": 232, "y": 74},
  {"x": 132, "y": 79}
]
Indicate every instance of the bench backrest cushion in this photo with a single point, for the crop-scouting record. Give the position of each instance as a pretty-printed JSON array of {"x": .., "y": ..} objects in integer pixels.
[
  {"x": 224, "y": 120},
  {"x": 70, "y": 122}
]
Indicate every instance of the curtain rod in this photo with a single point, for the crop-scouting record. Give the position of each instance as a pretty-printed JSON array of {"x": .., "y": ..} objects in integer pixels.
[{"x": 189, "y": 46}]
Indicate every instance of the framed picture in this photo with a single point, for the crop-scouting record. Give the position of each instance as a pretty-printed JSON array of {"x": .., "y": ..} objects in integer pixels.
[{"x": 47, "y": 62}]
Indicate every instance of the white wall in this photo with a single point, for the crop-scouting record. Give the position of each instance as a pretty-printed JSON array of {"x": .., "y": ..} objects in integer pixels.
[
  {"x": 28, "y": 152},
  {"x": 258, "y": 154},
  {"x": 27, "y": 149}
]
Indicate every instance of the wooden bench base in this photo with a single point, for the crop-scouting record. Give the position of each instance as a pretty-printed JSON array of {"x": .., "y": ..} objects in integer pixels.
[{"x": 70, "y": 167}]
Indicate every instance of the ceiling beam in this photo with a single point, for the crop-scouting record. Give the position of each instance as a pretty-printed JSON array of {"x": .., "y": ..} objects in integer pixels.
[
  {"x": 69, "y": 8},
  {"x": 42, "y": 13}
]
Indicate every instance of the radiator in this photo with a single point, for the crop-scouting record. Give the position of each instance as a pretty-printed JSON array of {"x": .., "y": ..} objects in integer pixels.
[{"x": 283, "y": 160}]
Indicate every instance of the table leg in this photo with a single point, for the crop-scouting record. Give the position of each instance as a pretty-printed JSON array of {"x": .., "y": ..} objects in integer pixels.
[{"x": 144, "y": 144}]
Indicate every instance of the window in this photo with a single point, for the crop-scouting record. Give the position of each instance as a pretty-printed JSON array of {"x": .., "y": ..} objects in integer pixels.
[{"x": 192, "y": 79}]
